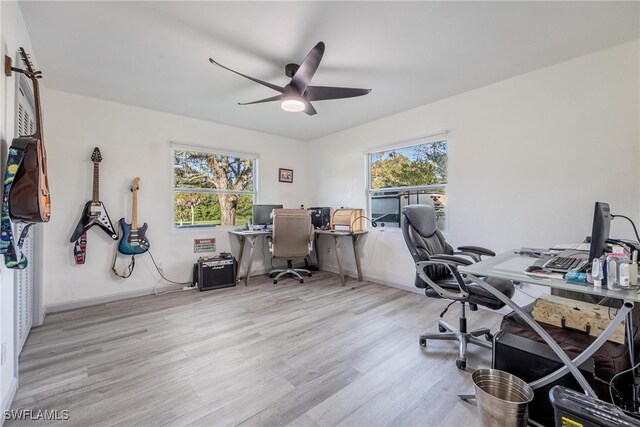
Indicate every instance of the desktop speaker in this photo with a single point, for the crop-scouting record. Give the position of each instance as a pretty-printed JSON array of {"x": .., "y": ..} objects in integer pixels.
[
  {"x": 530, "y": 360},
  {"x": 215, "y": 273}
]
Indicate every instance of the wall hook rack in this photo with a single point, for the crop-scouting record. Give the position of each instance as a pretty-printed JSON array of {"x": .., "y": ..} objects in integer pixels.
[{"x": 8, "y": 68}]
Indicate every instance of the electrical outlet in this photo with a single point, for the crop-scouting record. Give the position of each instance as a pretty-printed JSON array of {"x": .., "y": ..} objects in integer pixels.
[{"x": 3, "y": 352}]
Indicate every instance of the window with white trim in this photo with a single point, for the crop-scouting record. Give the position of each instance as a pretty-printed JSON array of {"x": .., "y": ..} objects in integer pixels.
[
  {"x": 212, "y": 187},
  {"x": 414, "y": 172}
]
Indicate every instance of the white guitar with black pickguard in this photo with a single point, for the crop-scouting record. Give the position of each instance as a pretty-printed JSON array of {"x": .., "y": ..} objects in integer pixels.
[{"x": 94, "y": 211}]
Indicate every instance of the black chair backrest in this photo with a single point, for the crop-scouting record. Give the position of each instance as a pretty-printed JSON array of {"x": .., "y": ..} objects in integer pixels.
[{"x": 420, "y": 230}]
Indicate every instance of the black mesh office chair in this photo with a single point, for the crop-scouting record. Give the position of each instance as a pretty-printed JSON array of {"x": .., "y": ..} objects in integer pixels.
[{"x": 437, "y": 274}]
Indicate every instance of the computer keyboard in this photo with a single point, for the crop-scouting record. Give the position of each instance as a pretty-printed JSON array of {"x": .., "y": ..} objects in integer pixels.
[{"x": 564, "y": 264}]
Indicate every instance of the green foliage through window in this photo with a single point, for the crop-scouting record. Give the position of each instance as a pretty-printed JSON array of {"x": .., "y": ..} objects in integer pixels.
[
  {"x": 409, "y": 175},
  {"x": 424, "y": 164},
  {"x": 212, "y": 189}
]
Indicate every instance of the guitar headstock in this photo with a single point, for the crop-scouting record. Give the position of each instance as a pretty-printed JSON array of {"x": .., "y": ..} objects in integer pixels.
[
  {"x": 135, "y": 185},
  {"x": 96, "y": 157},
  {"x": 27, "y": 63}
]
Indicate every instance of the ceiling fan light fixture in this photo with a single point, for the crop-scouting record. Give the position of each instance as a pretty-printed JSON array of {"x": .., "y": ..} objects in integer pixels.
[{"x": 293, "y": 104}]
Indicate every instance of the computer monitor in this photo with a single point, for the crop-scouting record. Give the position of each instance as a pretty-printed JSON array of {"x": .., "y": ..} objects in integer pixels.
[
  {"x": 600, "y": 230},
  {"x": 262, "y": 214}
]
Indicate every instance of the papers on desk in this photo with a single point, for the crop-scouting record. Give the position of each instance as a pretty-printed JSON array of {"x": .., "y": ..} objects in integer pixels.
[
  {"x": 544, "y": 274},
  {"x": 572, "y": 246}
]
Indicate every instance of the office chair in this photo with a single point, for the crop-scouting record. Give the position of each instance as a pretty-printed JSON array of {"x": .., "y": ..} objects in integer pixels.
[
  {"x": 292, "y": 238},
  {"x": 437, "y": 273}
]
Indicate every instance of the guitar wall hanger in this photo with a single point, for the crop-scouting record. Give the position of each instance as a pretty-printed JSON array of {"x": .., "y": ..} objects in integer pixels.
[{"x": 9, "y": 69}]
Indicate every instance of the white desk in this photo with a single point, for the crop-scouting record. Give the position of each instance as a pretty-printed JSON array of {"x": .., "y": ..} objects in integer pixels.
[
  {"x": 511, "y": 266},
  {"x": 251, "y": 236}
]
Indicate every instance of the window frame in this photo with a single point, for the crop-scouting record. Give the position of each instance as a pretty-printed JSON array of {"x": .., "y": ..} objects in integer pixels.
[
  {"x": 178, "y": 146},
  {"x": 412, "y": 142}
]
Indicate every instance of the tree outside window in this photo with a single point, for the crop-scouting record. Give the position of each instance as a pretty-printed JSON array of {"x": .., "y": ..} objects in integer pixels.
[
  {"x": 416, "y": 174},
  {"x": 212, "y": 189}
]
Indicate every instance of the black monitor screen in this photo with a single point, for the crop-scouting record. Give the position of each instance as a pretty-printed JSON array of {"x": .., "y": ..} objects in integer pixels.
[
  {"x": 600, "y": 230},
  {"x": 262, "y": 214}
]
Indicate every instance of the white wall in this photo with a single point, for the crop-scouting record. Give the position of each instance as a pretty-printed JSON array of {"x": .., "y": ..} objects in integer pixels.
[
  {"x": 135, "y": 142},
  {"x": 528, "y": 157},
  {"x": 14, "y": 35}
]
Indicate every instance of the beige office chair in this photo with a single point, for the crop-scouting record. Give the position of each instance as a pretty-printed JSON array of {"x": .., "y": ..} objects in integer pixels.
[{"x": 292, "y": 239}]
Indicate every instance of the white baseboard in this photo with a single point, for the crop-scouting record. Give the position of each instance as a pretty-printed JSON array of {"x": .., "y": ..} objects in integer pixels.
[
  {"x": 8, "y": 398},
  {"x": 374, "y": 279},
  {"x": 64, "y": 306}
]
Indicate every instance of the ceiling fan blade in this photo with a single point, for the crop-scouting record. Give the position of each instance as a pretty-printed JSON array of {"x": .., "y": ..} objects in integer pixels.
[
  {"x": 308, "y": 68},
  {"x": 273, "y": 98},
  {"x": 319, "y": 93},
  {"x": 263, "y": 83},
  {"x": 310, "y": 111}
]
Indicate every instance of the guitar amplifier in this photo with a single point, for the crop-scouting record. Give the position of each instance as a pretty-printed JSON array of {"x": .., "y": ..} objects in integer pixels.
[{"x": 215, "y": 273}]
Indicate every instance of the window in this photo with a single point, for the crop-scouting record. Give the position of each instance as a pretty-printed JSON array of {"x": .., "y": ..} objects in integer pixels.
[
  {"x": 212, "y": 188},
  {"x": 414, "y": 174}
]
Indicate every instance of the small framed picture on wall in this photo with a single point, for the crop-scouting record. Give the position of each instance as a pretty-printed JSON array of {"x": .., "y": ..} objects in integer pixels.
[{"x": 285, "y": 175}]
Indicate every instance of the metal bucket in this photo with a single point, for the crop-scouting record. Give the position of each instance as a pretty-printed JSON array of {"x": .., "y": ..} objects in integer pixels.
[{"x": 502, "y": 398}]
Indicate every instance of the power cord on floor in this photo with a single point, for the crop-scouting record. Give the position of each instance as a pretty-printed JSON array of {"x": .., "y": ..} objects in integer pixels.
[{"x": 163, "y": 277}]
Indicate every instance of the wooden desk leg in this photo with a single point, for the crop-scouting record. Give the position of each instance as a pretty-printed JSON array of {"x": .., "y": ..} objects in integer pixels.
[
  {"x": 336, "y": 244},
  {"x": 317, "y": 249},
  {"x": 252, "y": 244},
  {"x": 355, "y": 238},
  {"x": 239, "y": 265}
]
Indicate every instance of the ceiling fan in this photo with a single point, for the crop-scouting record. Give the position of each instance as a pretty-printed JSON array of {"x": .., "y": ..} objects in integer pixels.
[{"x": 297, "y": 95}]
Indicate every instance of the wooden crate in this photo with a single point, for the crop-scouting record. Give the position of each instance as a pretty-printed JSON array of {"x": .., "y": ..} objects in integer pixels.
[
  {"x": 347, "y": 217},
  {"x": 551, "y": 309}
]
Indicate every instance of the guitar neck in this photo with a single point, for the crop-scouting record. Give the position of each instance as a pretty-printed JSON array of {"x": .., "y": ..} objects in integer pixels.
[
  {"x": 96, "y": 183},
  {"x": 36, "y": 96},
  {"x": 134, "y": 210}
]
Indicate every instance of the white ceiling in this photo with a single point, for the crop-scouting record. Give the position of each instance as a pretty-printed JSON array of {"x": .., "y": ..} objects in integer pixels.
[{"x": 155, "y": 54}]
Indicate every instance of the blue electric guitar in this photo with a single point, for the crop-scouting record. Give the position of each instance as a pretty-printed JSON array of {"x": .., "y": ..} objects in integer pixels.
[{"x": 133, "y": 240}]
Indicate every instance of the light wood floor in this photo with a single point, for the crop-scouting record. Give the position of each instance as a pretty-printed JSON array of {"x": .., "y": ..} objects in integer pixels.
[{"x": 312, "y": 354}]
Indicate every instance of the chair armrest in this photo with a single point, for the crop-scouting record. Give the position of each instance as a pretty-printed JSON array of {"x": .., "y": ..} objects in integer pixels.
[
  {"x": 456, "y": 260},
  {"x": 444, "y": 293},
  {"x": 477, "y": 250},
  {"x": 475, "y": 257}
]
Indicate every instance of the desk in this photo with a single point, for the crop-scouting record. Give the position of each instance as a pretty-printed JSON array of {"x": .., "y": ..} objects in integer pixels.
[
  {"x": 355, "y": 239},
  {"x": 511, "y": 266},
  {"x": 251, "y": 236}
]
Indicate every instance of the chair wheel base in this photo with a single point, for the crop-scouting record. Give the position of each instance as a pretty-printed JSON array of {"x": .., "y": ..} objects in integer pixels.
[
  {"x": 301, "y": 281},
  {"x": 442, "y": 328},
  {"x": 309, "y": 274},
  {"x": 423, "y": 342},
  {"x": 275, "y": 282},
  {"x": 461, "y": 364},
  {"x": 488, "y": 337}
]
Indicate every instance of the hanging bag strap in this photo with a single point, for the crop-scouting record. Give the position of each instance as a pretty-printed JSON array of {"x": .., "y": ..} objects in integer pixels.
[
  {"x": 7, "y": 247},
  {"x": 127, "y": 272},
  {"x": 80, "y": 249}
]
